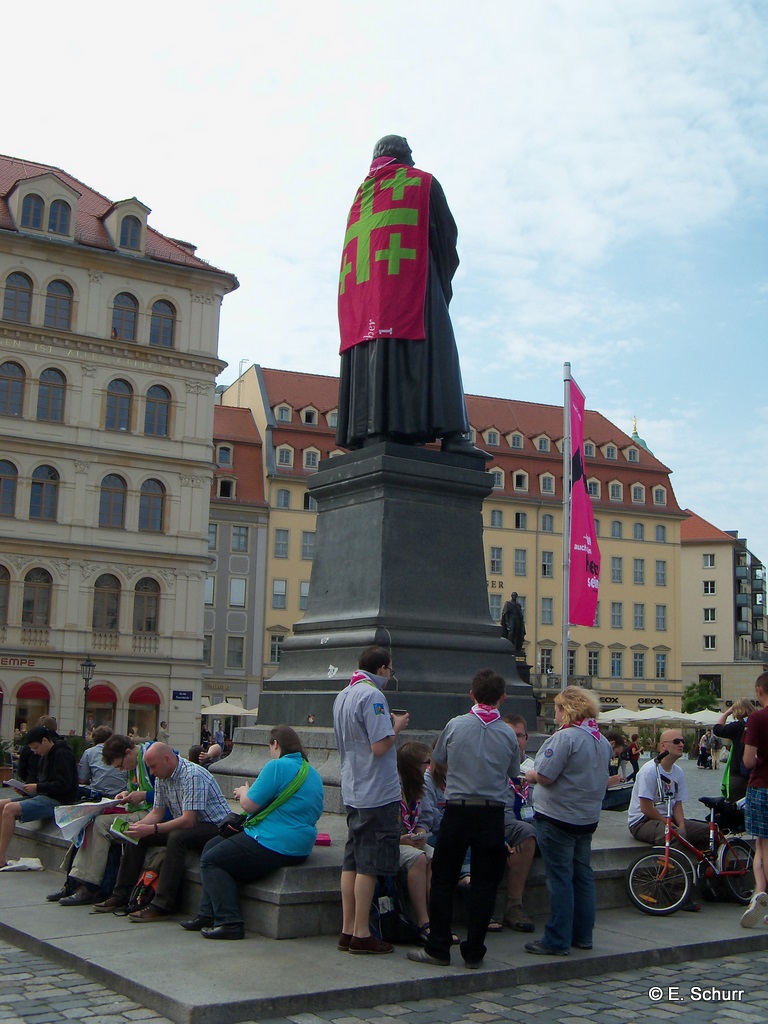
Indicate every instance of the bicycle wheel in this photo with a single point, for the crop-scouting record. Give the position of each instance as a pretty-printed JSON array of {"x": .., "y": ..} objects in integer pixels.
[
  {"x": 656, "y": 887},
  {"x": 737, "y": 856}
]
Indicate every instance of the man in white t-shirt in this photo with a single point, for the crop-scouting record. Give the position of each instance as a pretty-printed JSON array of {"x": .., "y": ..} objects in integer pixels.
[
  {"x": 647, "y": 809},
  {"x": 366, "y": 734}
]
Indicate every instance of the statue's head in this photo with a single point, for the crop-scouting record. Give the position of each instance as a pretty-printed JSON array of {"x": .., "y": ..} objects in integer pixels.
[
  {"x": 396, "y": 146},
  {"x": 514, "y": 595}
]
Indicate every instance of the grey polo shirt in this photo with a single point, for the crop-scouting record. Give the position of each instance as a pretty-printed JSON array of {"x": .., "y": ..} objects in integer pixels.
[
  {"x": 360, "y": 719},
  {"x": 481, "y": 758},
  {"x": 578, "y": 765}
]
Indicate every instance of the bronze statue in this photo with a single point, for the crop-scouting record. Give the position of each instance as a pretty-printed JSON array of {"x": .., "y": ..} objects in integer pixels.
[
  {"x": 513, "y": 624},
  {"x": 400, "y": 378}
]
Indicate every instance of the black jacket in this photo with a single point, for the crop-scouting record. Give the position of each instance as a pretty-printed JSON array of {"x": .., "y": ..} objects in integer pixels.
[{"x": 57, "y": 773}]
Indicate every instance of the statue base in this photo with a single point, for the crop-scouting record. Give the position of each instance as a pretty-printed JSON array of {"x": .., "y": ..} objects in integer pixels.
[{"x": 399, "y": 561}]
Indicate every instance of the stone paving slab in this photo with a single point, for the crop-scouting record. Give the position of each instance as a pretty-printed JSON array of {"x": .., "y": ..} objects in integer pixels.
[{"x": 182, "y": 977}]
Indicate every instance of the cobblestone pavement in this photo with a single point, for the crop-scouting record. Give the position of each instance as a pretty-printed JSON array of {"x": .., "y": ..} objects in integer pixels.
[{"x": 731, "y": 990}]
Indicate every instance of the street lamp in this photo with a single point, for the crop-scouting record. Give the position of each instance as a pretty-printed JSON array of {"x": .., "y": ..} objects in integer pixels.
[{"x": 87, "y": 668}]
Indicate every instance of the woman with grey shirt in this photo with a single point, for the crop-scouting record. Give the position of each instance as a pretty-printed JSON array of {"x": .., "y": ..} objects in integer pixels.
[{"x": 571, "y": 773}]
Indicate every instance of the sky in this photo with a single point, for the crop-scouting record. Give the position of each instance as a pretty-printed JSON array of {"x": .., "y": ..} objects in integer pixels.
[{"x": 606, "y": 162}]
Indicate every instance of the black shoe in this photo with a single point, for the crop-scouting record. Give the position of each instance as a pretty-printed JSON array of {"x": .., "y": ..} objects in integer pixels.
[
  {"x": 224, "y": 931},
  {"x": 197, "y": 924},
  {"x": 82, "y": 897},
  {"x": 65, "y": 890}
]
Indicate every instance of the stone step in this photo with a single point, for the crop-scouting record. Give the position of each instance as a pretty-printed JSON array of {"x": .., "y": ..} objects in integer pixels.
[{"x": 305, "y": 900}]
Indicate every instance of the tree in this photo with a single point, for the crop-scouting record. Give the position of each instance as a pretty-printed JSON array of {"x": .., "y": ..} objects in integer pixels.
[{"x": 699, "y": 697}]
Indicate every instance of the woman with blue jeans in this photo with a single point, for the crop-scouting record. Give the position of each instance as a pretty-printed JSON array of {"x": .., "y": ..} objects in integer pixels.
[
  {"x": 570, "y": 772},
  {"x": 285, "y": 836}
]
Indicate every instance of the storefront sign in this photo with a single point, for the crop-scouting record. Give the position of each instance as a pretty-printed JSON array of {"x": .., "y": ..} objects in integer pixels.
[
  {"x": 17, "y": 662},
  {"x": 650, "y": 700}
]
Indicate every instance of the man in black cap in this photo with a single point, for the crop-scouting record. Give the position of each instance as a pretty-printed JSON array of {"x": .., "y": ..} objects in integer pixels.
[
  {"x": 400, "y": 378},
  {"x": 57, "y": 784}
]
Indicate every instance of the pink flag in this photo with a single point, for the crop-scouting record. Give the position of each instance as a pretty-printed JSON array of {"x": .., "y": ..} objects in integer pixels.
[{"x": 585, "y": 553}]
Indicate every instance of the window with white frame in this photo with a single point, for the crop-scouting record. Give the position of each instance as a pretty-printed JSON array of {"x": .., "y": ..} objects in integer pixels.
[
  {"x": 610, "y": 452},
  {"x": 638, "y": 571},
  {"x": 709, "y": 586},
  {"x": 303, "y": 595},
  {"x": 638, "y": 531},
  {"x": 593, "y": 488},
  {"x": 333, "y": 419},
  {"x": 593, "y": 663},
  {"x": 307, "y": 545},
  {"x": 497, "y": 518},
  {"x": 547, "y": 523},
  {"x": 547, "y": 606},
  {"x": 283, "y": 414},
  {"x": 661, "y": 666},
  {"x": 235, "y": 651},
  {"x": 661, "y": 534},
  {"x": 547, "y": 564},
  {"x": 545, "y": 660},
  {"x": 310, "y": 503},
  {"x": 213, "y": 532},
  {"x": 638, "y": 665},
  {"x": 710, "y": 643},
  {"x": 285, "y": 456},
  {"x": 237, "y": 590},
  {"x": 311, "y": 459},
  {"x": 710, "y": 615},
  {"x": 516, "y": 441},
  {"x": 521, "y": 520},
  {"x": 615, "y": 491},
  {"x": 281, "y": 543},
  {"x": 492, "y": 438},
  {"x": 521, "y": 562},
  {"x": 589, "y": 450},
  {"x": 638, "y": 493},
  {"x": 616, "y": 671},
  {"x": 661, "y": 573},
  {"x": 547, "y": 485},
  {"x": 709, "y": 561},
  {"x": 224, "y": 455},
  {"x": 543, "y": 444},
  {"x": 309, "y": 417},
  {"x": 638, "y": 616},
  {"x": 633, "y": 455},
  {"x": 494, "y": 606},
  {"x": 279, "y": 593},
  {"x": 659, "y": 496},
  {"x": 616, "y": 614},
  {"x": 208, "y": 649},
  {"x": 521, "y": 481},
  {"x": 239, "y": 538},
  {"x": 617, "y": 569},
  {"x": 498, "y": 479},
  {"x": 661, "y": 617},
  {"x": 571, "y": 663},
  {"x": 275, "y": 648},
  {"x": 283, "y": 498},
  {"x": 496, "y": 560}
]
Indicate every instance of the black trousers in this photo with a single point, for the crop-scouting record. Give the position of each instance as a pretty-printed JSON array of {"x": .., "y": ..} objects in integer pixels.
[{"x": 482, "y": 828}]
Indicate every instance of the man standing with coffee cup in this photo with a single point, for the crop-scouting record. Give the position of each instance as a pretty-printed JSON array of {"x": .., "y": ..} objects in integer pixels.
[{"x": 366, "y": 734}]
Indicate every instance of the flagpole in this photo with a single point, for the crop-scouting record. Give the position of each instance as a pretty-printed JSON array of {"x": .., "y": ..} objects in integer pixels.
[{"x": 566, "y": 517}]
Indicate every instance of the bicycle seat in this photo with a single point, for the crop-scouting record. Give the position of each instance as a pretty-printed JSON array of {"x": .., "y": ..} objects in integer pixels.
[{"x": 712, "y": 801}]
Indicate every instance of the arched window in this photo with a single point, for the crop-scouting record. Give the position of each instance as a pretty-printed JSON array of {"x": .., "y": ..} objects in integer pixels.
[
  {"x": 17, "y": 300},
  {"x": 146, "y": 604},
  {"x": 50, "y": 396},
  {"x": 283, "y": 498},
  {"x": 130, "y": 233},
  {"x": 5, "y": 584},
  {"x": 124, "y": 312},
  {"x": 8, "y": 475},
  {"x": 11, "y": 389},
  {"x": 106, "y": 603},
  {"x": 162, "y": 324},
  {"x": 36, "y": 605},
  {"x": 157, "y": 411},
  {"x": 58, "y": 217},
  {"x": 151, "y": 506},
  {"x": 112, "y": 501},
  {"x": 32, "y": 212},
  {"x": 119, "y": 400},
  {"x": 58, "y": 306},
  {"x": 44, "y": 495}
]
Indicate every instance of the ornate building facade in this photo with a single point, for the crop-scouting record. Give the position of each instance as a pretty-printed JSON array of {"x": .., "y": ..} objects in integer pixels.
[{"x": 108, "y": 359}]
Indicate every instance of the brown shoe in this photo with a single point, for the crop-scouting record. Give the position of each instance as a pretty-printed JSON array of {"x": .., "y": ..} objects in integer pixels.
[
  {"x": 515, "y": 917},
  {"x": 370, "y": 944},
  {"x": 148, "y": 914},
  {"x": 109, "y": 906},
  {"x": 344, "y": 940}
]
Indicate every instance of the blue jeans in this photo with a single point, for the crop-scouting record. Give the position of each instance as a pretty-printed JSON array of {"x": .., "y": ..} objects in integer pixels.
[
  {"x": 224, "y": 863},
  {"x": 570, "y": 884}
]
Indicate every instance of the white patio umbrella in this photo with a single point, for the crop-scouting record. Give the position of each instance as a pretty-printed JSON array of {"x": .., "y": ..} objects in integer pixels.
[
  {"x": 615, "y": 716},
  {"x": 657, "y": 714},
  {"x": 222, "y": 708},
  {"x": 706, "y": 717}
]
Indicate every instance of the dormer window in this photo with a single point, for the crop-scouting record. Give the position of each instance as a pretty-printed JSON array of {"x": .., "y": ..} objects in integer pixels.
[
  {"x": 589, "y": 450},
  {"x": 616, "y": 491},
  {"x": 226, "y": 487},
  {"x": 130, "y": 233},
  {"x": 309, "y": 417},
  {"x": 283, "y": 414},
  {"x": 311, "y": 458},
  {"x": 633, "y": 455},
  {"x": 610, "y": 451},
  {"x": 659, "y": 496},
  {"x": 521, "y": 481},
  {"x": 547, "y": 485},
  {"x": 224, "y": 455},
  {"x": 285, "y": 456},
  {"x": 32, "y": 212},
  {"x": 543, "y": 444},
  {"x": 498, "y": 479},
  {"x": 638, "y": 493},
  {"x": 59, "y": 217},
  {"x": 333, "y": 419},
  {"x": 492, "y": 438},
  {"x": 516, "y": 441},
  {"x": 593, "y": 487}
]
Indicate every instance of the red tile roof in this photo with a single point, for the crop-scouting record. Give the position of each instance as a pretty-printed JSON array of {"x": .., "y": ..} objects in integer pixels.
[
  {"x": 237, "y": 426},
  {"x": 694, "y": 530},
  {"x": 301, "y": 389},
  {"x": 91, "y": 208}
]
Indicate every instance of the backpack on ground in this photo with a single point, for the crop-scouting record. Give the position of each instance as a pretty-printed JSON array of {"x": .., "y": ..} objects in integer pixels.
[
  {"x": 144, "y": 891},
  {"x": 388, "y": 920}
]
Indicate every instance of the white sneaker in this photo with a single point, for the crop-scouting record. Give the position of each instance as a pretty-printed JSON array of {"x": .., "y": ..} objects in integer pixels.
[{"x": 756, "y": 909}]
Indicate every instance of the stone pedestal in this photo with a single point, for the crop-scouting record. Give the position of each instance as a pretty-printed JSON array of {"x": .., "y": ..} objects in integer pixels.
[{"x": 398, "y": 561}]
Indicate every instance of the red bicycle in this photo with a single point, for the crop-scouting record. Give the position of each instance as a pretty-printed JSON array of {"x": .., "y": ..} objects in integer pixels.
[{"x": 662, "y": 880}]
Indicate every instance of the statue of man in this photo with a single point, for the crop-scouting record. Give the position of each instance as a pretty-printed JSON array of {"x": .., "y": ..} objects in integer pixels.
[
  {"x": 400, "y": 378},
  {"x": 513, "y": 624}
]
